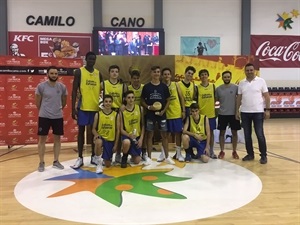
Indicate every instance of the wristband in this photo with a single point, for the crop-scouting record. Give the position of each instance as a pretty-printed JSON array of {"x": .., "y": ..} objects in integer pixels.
[{"x": 148, "y": 107}]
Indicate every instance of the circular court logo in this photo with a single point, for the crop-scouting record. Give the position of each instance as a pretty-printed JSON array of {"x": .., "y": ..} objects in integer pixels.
[{"x": 170, "y": 193}]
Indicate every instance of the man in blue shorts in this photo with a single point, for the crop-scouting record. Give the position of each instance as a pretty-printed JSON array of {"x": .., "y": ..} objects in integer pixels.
[
  {"x": 106, "y": 131},
  {"x": 196, "y": 134},
  {"x": 86, "y": 85},
  {"x": 175, "y": 113},
  {"x": 132, "y": 129}
]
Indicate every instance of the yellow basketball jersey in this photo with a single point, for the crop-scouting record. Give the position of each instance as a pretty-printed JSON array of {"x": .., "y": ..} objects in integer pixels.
[
  {"x": 198, "y": 128},
  {"x": 174, "y": 111},
  {"x": 132, "y": 120},
  {"x": 206, "y": 100},
  {"x": 137, "y": 93},
  {"x": 89, "y": 89},
  {"x": 107, "y": 125},
  {"x": 116, "y": 91},
  {"x": 187, "y": 92}
]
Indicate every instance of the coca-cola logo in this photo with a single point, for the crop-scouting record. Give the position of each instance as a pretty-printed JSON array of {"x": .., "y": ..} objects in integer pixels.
[{"x": 290, "y": 52}]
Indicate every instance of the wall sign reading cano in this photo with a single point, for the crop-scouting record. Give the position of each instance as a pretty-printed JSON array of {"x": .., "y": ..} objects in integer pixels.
[{"x": 50, "y": 20}]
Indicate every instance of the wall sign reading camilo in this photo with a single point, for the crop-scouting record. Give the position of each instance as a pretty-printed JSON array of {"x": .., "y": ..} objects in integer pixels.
[{"x": 50, "y": 20}]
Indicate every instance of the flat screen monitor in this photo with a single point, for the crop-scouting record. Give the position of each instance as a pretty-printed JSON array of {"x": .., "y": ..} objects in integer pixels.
[{"x": 128, "y": 41}]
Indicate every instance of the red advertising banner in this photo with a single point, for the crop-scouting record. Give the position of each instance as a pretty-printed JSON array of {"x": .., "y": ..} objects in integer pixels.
[
  {"x": 56, "y": 45},
  {"x": 18, "y": 113},
  {"x": 285, "y": 100},
  {"x": 276, "y": 51}
]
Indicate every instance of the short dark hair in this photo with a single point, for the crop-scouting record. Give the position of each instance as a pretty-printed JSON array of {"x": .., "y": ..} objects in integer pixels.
[
  {"x": 113, "y": 67},
  {"x": 108, "y": 96},
  {"x": 128, "y": 92},
  {"x": 249, "y": 64},
  {"x": 50, "y": 68},
  {"x": 89, "y": 53},
  {"x": 203, "y": 71},
  {"x": 194, "y": 106},
  {"x": 154, "y": 68},
  {"x": 190, "y": 68},
  {"x": 166, "y": 69},
  {"x": 135, "y": 73},
  {"x": 227, "y": 71}
]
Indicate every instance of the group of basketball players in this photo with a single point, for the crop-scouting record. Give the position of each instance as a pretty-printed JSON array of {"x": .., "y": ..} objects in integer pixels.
[{"x": 128, "y": 117}]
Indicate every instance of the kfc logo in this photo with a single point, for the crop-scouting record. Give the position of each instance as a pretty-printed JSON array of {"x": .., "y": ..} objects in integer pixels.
[{"x": 23, "y": 38}]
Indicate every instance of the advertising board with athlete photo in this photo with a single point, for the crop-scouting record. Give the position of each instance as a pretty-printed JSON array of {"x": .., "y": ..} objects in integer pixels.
[{"x": 42, "y": 44}]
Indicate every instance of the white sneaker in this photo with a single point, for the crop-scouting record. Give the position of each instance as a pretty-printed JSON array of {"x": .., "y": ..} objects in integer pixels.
[
  {"x": 161, "y": 157},
  {"x": 147, "y": 160},
  {"x": 169, "y": 160},
  {"x": 179, "y": 157},
  {"x": 118, "y": 158},
  {"x": 99, "y": 168},
  {"x": 94, "y": 160},
  {"x": 78, "y": 163}
]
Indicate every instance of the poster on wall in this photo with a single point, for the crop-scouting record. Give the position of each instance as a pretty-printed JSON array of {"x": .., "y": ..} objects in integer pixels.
[
  {"x": 18, "y": 113},
  {"x": 276, "y": 51},
  {"x": 215, "y": 65},
  {"x": 199, "y": 45},
  {"x": 52, "y": 45}
]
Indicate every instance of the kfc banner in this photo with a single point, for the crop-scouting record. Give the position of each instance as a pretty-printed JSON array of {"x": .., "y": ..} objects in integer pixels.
[
  {"x": 55, "y": 45},
  {"x": 18, "y": 113},
  {"x": 276, "y": 51}
]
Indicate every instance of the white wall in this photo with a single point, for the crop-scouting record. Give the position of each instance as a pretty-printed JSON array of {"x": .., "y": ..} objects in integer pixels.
[
  {"x": 81, "y": 10},
  {"x": 219, "y": 18},
  {"x": 263, "y": 22},
  {"x": 128, "y": 8},
  {"x": 212, "y": 18}
]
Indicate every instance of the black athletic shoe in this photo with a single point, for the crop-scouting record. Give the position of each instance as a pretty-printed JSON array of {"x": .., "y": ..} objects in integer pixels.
[
  {"x": 124, "y": 162},
  {"x": 263, "y": 160},
  {"x": 248, "y": 158},
  {"x": 175, "y": 156}
]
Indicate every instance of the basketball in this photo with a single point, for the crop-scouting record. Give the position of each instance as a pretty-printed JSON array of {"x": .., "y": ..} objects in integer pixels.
[{"x": 157, "y": 105}]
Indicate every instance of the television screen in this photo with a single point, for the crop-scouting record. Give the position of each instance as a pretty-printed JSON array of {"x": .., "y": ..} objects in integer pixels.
[{"x": 128, "y": 41}]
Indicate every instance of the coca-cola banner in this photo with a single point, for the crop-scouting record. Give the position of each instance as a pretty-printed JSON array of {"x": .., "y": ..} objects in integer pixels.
[
  {"x": 53, "y": 45},
  {"x": 19, "y": 77},
  {"x": 275, "y": 51}
]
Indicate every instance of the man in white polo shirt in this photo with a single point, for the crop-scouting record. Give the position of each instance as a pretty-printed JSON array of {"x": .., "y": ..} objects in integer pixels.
[{"x": 254, "y": 100}]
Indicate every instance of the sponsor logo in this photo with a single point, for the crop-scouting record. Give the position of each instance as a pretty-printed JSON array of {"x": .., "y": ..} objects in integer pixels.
[
  {"x": 31, "y": 123},
  {"x": 14, "y": 97},
  {"x": 23, "y": 38},
  {"x": 15, "y": 123},
  {"x": 30, "y": 97},
  {"x": 14, "y": 132},
  {"x": 270, "y": 51},
  {"x": 13, "y": 79},
  {"x": 30, "y": 79},
  {"x": 31, "y": 114},
  {"x": 31, "y": 131},
  {"x": 13, "y": 62},
  {"x": 29, "y": 88},
  {"x": 30, "y": 106},
  {"x": 31, "y": 140},
  {"x": 14, "y": 87},
  {"x": 14, "y": 114},
  {"x": 14, "y": 105}
]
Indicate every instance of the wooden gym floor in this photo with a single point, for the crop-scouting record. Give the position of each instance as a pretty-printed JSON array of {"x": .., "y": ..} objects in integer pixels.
[{"x": 278, "y": 202}]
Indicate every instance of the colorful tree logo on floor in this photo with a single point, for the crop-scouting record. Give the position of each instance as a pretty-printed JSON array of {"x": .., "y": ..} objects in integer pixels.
[
  {"x": 115, "y": 181},
  {"x": 285, "y": 19}
]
